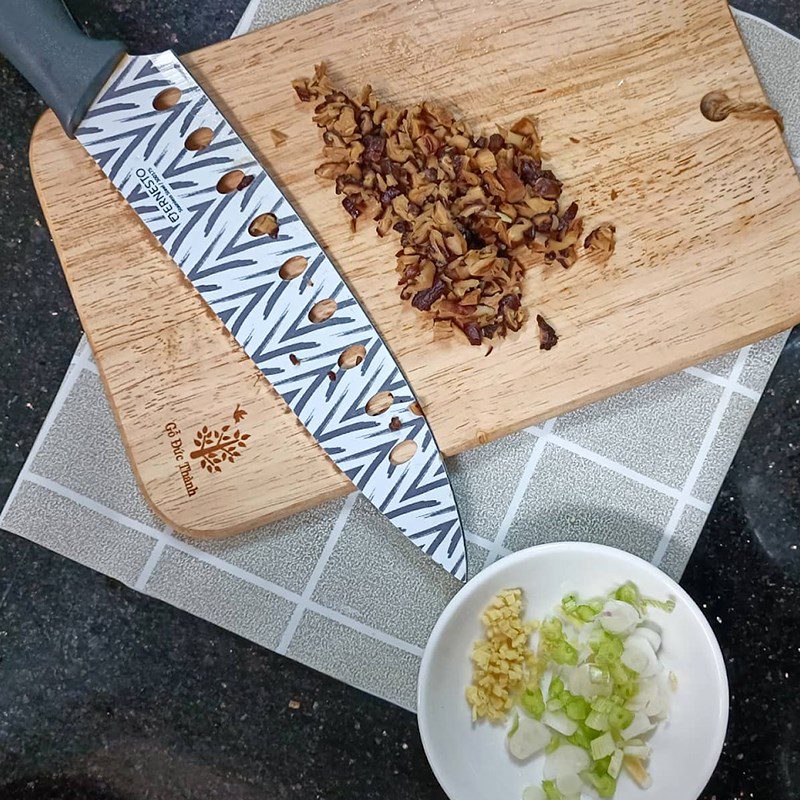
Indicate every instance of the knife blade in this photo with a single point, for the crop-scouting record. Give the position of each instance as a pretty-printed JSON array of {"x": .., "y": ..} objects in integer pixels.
[{"x": 236, "y": 237}]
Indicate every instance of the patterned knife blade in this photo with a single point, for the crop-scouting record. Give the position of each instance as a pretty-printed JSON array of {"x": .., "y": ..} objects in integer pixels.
[{"x": 139, "y": 141}]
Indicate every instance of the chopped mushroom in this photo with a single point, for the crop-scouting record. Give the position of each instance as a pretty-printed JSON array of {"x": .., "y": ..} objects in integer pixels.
[
  {"x": 470, "y": 211},
  {"x": 547, "y": 336},
  {"x": 602, "y": 239}
]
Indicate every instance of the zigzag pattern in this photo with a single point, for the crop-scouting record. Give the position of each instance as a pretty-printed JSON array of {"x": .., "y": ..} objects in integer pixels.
[{"x": 173, "y": 190}]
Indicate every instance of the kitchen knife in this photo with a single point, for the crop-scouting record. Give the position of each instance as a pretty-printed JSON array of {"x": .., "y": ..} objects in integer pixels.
[{"x": 225, "y": 223}]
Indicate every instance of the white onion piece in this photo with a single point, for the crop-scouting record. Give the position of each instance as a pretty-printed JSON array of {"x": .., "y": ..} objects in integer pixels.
[
  {"x": 659, "y": 705},
  {"x": 638, "y": 655},
  {"x": 648, "y": 632},
  {"x": 569, "y": 783},
  {"x": 529, "y": 738},
  {"x": 618, "y": 618},
  {"x": 566, "y": 759},
  {"x": 641, "y": 724},
  {"x": 637, "y": 703},
  {"x": 533, "y": 793},
  {"x": 560, "y": 722},
  {"x": 647, "y": 692},
  {"x": 579, "y": 681},
  {"x": 652, "y": 697},
  {"x": 639, "y": 750}
]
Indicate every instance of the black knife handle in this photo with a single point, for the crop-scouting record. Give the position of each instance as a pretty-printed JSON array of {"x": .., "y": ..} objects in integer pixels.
[{"x": 67, "y": 68}]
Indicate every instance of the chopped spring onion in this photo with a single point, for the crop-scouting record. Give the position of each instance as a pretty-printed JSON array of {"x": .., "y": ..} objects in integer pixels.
[
  {"x": 577, "y": 708},
  {"x": 533, "y": 702},
  {"x": 550, "y": 790},
  {"x": 556, "y": 704},
  {"x": 580, "y": 612},
  {"x": 555, "y": 689},
  {"x": 597, "y": 721},
  {"x": 620, "y": 718},
  {"x": 602, "y": 704},
  {"x": 554, "y": 744},
  {"x": 615, "y": 765},
  {"x": 639, "y": 725},
  {"x": 629, "y": 593},
  {"x": 663, "y": 605},
  {"x": 604, "y": 784},
  {"x": 553, "y": 644},
  {"x": 603, "y": 746},
  {"x": 564, "y": 653},
  {"x": 607, "y": 649},
  {"x": 582, "y": 737}
]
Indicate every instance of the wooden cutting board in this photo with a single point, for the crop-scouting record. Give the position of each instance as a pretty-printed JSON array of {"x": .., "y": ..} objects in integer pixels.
[{"x": 707, "y": 216}]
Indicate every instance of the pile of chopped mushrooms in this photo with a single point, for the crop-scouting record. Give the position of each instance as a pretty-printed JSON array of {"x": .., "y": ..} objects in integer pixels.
[{"x": 472, "y": 212}]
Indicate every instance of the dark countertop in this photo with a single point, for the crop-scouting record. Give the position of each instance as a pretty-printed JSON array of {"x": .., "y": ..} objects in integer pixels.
[{"x": 106, "y": 693}]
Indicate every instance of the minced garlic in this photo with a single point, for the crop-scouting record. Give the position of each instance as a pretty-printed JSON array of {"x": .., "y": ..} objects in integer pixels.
[{"x": 501, "y": 661}]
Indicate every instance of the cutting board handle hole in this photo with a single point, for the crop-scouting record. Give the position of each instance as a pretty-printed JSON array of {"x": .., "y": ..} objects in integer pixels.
[
  {"x": 199, "y": 139},
  {"x": 716, "y": 106},
  {"x": 166, "y": 98},
  {"x": 233, "y": 181},
  {"x": 323, "y": 310},
  {"x": 402, "y": 452},
  {"x": 352, "y": 356},
  {"x": 378, "y": 403},
  {"x": 293, "y": 268}
]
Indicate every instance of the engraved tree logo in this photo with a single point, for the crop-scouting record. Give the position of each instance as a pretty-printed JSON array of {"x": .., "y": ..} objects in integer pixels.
[{"x": 217, "y": 446}]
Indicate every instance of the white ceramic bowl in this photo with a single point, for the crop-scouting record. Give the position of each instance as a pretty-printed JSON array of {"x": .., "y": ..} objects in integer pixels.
[{"x": 471, "y": 762}]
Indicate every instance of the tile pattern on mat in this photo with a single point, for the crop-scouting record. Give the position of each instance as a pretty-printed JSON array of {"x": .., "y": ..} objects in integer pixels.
[
  {"x": 374, "y": 577},
  {"x": 224, "y": 599},
  {"x": 295, "y": 545},
  {"x": 84, "y": 436},
  {"x": 761, "y": 361},
  {"x": 314, "y": 587},
  {"x": 572, "y": 499},
  {"x": 335, "y": 649},
  {"x": 682, "y": 541},
  {"x": 77, "y": 532},
  {"x": 721, "y": 365},
  {"x": 656, "y": 429},
  {"x": 489, "y": 500},
  {"x": 726, "y": 442}
]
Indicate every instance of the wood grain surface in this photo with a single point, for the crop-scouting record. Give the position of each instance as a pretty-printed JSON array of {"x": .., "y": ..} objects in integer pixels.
[{"x": 707, "y": 217}]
